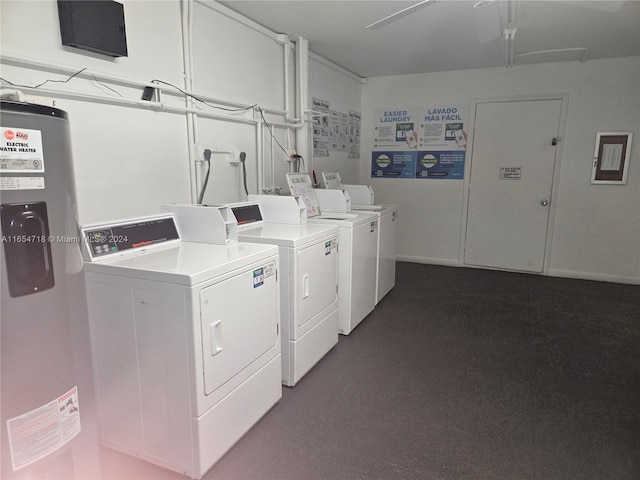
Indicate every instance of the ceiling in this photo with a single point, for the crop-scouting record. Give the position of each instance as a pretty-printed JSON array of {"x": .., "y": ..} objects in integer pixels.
[{"x": 448, "y": 35}]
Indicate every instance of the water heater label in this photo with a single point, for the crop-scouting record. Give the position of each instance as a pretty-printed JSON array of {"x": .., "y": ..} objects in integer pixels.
[
  {"x": 21, "y": 183},
  {"x": 21, "y": 150},
  {"x": 44, "y": 430}
]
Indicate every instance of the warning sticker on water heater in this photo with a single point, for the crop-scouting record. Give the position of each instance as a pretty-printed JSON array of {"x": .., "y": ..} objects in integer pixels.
[
  {"x": 21, "y": 150},
  {"x": 42, "y": 431},
  {"x": 21, "y": 183}
]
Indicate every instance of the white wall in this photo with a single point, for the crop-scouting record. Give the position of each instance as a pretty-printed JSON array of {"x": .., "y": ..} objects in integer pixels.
[
  {"x": 596, "y": 232},
  {"x": 343, "y": 94},
  {"x": 129, "y": 158}
]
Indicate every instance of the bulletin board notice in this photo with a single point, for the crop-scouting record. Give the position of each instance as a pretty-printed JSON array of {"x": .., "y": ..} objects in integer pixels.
[{"x": 334, "y": 131}]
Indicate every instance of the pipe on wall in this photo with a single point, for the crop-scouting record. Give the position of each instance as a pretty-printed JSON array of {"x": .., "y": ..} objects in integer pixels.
[
  {"x": 259, "y": 156},
  {"x": 192, "y": 121},
  {"x": 302, "y": 92}
]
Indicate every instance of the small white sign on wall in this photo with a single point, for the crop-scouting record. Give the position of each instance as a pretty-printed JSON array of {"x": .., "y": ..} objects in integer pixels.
[{"x": 510, "y": 173}]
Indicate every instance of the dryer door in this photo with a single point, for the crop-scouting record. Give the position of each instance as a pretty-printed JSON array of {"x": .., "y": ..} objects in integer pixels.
[
  {"x": 317, "y": 279},
  {"x": 239, "y": 320}
]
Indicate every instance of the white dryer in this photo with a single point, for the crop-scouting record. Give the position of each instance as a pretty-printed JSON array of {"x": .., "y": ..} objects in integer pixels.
[
  {"x": 308, "y": 279},
  {"x": 357, "y": 258},
  {"x": 309, "y": 285},
  {"x": 362, "y": 198},
  {"x": 185, "y": 340}
]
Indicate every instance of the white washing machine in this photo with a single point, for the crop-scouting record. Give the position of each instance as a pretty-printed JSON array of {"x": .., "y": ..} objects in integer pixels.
[
  {"x": 308, "y": 278},
  {"x": 362, "y": 198},
  {"x": 357, "y": 258},
  {"x": 185, "y": 341}
]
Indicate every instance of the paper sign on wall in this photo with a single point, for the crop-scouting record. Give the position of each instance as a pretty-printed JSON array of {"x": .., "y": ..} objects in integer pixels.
[
  {"x": 334, "y": 131},
  {"x": 510, "y": 173}
]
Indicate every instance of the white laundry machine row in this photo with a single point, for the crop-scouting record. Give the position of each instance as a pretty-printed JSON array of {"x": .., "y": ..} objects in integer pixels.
[
  {"x": 361, "y": 197},
  {"x": 308, "y": 276},
  {"x": 185, "y": 340},
  {"x": 357, "y": 240}
]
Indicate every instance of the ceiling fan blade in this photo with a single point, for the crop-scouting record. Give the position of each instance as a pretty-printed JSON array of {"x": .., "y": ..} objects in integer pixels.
[
  {"x": 486, "y": 18},
  {"x": 404, "y": 12}
]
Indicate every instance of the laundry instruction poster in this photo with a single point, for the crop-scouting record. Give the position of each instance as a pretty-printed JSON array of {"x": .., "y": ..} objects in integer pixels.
[
  {"x": 354, "y": 134},
  {"x": 419, "y": 142}
]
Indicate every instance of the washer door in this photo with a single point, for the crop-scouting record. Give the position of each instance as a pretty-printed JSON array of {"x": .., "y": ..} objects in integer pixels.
[{"x": 239, "y": 321}]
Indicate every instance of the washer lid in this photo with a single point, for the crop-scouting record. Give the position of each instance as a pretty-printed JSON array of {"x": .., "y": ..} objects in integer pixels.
[
  {"x": 349, "y": 220},
  {"x": 287, "y": 235},
  {"x": 379, "y": 209},
  {"x": 185, "y": 264}
]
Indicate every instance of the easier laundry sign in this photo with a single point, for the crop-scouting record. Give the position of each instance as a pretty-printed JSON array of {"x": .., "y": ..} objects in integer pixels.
[{"x": 419, "y": 142}]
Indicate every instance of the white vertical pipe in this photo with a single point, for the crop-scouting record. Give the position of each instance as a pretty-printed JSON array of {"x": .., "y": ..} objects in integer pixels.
[
  {"x": 302, "y": 87},
  {"x": 192, "y": 134},
  {"x": 286, "y": 50},
  {"x": 309, "y": 156},
  {"x": 259, "y": 156},
  {"x": 273, "y": 157}
]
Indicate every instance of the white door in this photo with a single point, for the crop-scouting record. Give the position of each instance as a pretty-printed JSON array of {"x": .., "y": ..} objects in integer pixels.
[{"x": 510, "y": 184}]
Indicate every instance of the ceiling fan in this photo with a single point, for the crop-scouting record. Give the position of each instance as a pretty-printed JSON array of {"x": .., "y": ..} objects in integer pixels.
[
  {"x": 399, "y": 14},
  {"x": 488, "y": 21},
  {"x": 495, "y": 19}
]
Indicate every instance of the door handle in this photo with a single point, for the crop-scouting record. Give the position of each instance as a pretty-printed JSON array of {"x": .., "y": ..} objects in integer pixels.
[
  {"x": 305, "y": 285},
  {"x": 215, "y": 332},
  {"x": 544, "y": 202}
]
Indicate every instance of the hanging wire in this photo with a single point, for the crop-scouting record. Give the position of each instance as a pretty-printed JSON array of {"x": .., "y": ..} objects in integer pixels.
[
  {"x": 235, "y": 110},
  {"x": 271, "y": 131},
  {"x": 49, "y": 80}
]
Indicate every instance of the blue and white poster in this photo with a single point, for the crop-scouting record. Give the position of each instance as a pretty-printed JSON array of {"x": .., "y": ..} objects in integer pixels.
[
  {"x": 393, "y": 164},
  {"x": 440, "y": 164},
  {"x": 419, "y": 142}
]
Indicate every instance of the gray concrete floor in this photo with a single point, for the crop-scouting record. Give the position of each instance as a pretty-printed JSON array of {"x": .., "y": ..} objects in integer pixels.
[{"x": 459, "y": 374}]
